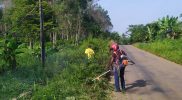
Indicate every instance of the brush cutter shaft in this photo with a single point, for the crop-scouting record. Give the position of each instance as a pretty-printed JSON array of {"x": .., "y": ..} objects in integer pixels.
[{"x": 101, "y": 75}]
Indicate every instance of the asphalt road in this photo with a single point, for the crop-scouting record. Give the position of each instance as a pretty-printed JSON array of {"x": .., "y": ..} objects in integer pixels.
[{"x": 151, "y": 78}]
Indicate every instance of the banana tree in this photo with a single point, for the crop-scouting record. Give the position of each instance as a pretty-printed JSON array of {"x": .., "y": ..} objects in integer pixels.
[
  {"x": 8, "y": 53},
  {"x": 174, "y": 27},
  {"x": 169, "y": 27},
  {"x": 152, "y": 29},
  {"x": 164, "y": 26}
]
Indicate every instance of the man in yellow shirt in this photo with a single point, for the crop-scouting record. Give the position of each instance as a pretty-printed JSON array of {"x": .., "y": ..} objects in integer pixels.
[{"x": 89, "y": 52}]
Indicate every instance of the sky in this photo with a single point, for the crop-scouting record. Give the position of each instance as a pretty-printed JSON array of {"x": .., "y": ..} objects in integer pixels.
[{"x": 132, "y": 12}]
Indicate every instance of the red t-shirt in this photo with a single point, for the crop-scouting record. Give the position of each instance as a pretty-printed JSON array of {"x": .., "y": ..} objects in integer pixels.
[{"x": 116, "y": 55}]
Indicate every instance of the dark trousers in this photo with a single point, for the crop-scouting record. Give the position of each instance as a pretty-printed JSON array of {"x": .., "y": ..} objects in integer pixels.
[
  {"x": 116, "y": 79},
  {"x": 119, "y": 72},
  {"x": 122, "y": 70}
]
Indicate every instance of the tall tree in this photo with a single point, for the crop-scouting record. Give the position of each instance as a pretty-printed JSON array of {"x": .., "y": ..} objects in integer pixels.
[
  {"x": 169, "y": 27},
  {"x": 152, "y": 30},
  {"x": 138, "y": 33},
  {"x": 25, "y": 19}
]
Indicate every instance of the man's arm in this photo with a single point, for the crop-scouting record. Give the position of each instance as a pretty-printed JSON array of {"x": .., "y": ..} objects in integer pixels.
[{"x": 111, "y": 62}]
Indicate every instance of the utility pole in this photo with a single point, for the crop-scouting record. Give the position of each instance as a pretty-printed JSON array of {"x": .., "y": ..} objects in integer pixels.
[{"x": 42, "y": 35}]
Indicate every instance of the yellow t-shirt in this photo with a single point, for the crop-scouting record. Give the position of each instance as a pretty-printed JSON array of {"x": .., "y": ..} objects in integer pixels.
[{"x": 89, "y": 52}]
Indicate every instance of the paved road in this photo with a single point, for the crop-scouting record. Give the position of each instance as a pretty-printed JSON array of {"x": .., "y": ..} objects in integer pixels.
[{"x": 151, "y": 78}]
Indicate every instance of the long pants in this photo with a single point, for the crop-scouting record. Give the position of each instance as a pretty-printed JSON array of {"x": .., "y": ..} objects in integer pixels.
[
  {"x": 119, "y": 72},
  {"x": 116, "y": 79},
  {"x": 122, "y": 70}
]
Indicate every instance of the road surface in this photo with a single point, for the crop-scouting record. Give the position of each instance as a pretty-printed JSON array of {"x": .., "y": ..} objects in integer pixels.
[{"x": 151, "y": 78}]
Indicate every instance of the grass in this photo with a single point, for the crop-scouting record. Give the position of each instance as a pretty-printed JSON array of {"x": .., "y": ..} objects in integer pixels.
[
  {"x": 68, "y": 74},
  {"x": 74, "y": 81},
  {"x": 168, "y": 49}
]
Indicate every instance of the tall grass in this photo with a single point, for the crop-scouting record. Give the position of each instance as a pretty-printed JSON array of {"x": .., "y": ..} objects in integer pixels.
[
  {"x": 168, "y": 49},
  {"x": 75, "y": 81},
  {"x": 67, "y": 74}
]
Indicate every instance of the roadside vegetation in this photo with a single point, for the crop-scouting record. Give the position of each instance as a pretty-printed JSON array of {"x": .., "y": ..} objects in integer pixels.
[
  {"x": 168, "y": 49},
  {"x": 161, "y": 37},
  {"x": 70, "y": 26},
  {"x": 67, "y": 74}
]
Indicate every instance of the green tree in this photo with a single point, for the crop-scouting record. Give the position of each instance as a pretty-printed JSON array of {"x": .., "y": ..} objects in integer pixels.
[
  {"x": 152, "y": 30},
  {"x": 78, "y": 19},
  {"x": 25, "y": 19},
  {"x": 115, "y": 36},
  {"x": 138, "y": 33},
  {"x": 169, "y": 27},
  {"x": 8, "y": 53}
]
